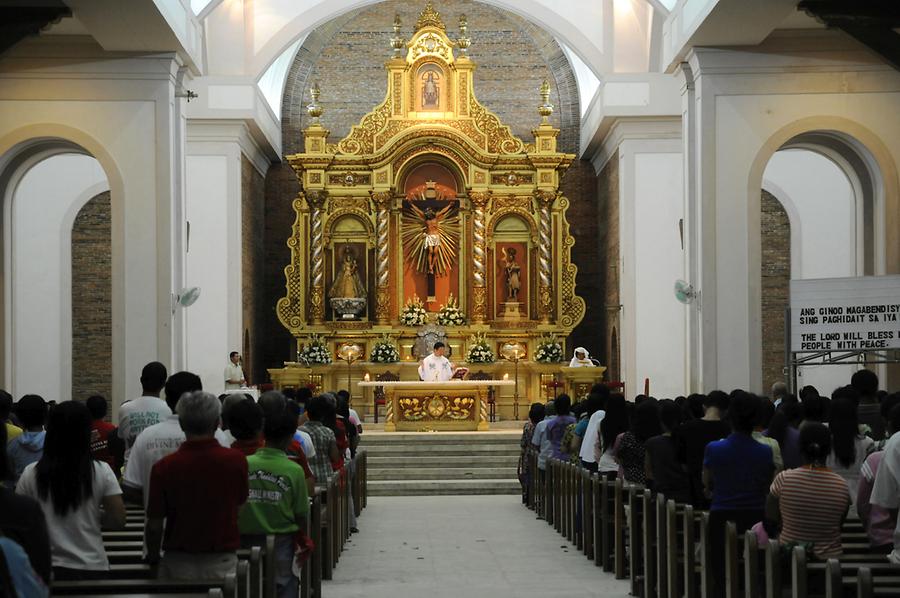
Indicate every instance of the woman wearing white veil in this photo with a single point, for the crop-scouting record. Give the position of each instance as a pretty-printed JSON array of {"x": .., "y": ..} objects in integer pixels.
[{"x": 581, "y": 358}]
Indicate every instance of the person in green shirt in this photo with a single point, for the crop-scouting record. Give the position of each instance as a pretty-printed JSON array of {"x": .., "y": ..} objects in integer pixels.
[{"x": 278, "y": 502}]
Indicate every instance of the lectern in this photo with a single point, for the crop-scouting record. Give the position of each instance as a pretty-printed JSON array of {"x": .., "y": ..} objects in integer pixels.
[{"x": 580, "y": 380}]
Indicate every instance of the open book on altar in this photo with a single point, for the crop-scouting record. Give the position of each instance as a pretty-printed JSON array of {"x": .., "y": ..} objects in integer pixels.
[{"x": 460, "y": 374}]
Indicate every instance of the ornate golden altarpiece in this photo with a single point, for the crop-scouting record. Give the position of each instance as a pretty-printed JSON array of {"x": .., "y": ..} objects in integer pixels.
[{"x": 356, "y": 193}]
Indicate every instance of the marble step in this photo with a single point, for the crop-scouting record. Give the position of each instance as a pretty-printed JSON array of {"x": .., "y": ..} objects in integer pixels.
[
  {"x": 441, "y": 449},
  {"x": 442, "y": 487},
  {"x": 416, "y": 460},
  {"x": 443, "y": 473},
  {"x": 421, "y": 438}
]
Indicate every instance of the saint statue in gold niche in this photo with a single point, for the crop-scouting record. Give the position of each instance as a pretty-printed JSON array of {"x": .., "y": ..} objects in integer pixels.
[
  {"x": 347, "y": 283},
  {"x": 513, "y": 274},
  {"x": 431, "y": 90}
]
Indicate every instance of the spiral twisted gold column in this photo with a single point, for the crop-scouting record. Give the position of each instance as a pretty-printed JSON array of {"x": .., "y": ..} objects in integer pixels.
[
  {"x": 479, "y": 244},
  {"x": 382, "y": 255},
  {"x": 545, "y": 256},
  {"x": 316, "y": 200}
]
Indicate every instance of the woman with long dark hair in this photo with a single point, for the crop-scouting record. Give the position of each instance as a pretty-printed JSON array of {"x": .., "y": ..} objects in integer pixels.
[
  {"x": 849, "y": 448},
  {"x": 783, "y": 428},
  {"x": 631, "y": 453},
  {"x": 614, "y": 424},
  {"x": 78, "y": 494}
]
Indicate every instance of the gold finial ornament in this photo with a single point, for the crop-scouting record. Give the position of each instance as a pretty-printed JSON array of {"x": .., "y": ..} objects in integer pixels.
[
  {"x": 397, "y": 41},
  {"x": 463, "y": 41},
  {"x": 546, "y": 108},
  {"x": 314, "y": 109},
  {"x": 430, "y": 18}
]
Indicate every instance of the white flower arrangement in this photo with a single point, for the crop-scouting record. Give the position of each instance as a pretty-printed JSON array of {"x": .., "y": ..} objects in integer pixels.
[
  {"x": 413, "y": 313},
  {"x": 315, "y": 351},
  {"x": 450, "y": 314},
  {"x": 479, "y": 350},
  {"x": 549, "y": 350},
  {"x": 384, "y": 351}
]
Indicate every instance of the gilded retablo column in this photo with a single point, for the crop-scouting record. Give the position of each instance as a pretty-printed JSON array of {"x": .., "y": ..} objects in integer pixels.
[
  {"x": 479, "y": 277},
  {"x": 382, "y": 201},
  {"x": 316, "y": 200},
  {"x": 545, "y": 255}
]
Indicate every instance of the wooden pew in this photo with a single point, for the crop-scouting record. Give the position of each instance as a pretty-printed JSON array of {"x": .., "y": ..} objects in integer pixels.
[{"x": 114, "y": 587}]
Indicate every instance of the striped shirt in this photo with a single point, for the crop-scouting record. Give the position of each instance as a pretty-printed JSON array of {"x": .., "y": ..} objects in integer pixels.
[{"x": 813, "y": 502}]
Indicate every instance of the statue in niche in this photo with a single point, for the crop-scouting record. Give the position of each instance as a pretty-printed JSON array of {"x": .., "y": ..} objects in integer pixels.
[
  {"x": 431, "y": 90},
  {"x": 347, "y": 293},
  {"x": 513, "y": 274}
]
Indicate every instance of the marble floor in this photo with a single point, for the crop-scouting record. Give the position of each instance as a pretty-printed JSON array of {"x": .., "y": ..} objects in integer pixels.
[{"x": 462, "y": 547}]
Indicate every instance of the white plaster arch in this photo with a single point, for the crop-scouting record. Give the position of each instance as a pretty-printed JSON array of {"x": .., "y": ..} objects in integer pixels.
[{"x": 567, "y": 23}]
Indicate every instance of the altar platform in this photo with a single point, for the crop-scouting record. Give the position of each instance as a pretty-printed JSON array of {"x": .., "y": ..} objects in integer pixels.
[{"x": 455, "y": 405}]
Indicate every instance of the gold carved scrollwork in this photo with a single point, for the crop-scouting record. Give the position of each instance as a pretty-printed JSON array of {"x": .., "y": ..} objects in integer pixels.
[
  {"x": 500, "y": 137},
  {"x": 479, "y": 304},
  {"x": 430, "y": 44},
  {"x": 359, "y": 141},
  {"x": 436, "y": 407}
]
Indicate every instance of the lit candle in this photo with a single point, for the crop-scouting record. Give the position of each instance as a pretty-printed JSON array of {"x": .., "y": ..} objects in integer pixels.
[
  {"x": 366, "y": 377},
  {"x": 506, "y": 376}
]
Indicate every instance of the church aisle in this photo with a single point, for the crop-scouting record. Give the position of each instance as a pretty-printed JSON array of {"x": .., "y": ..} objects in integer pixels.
[{"x": 470, "y": 546}]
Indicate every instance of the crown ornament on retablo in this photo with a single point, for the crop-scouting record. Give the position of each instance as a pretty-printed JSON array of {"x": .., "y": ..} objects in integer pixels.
[{"x": 430, "y": 18}]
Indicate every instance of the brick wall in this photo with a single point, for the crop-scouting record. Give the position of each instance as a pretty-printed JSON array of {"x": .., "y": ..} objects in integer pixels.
[
  {"x": 253, "y": 256},
  {"x": 608, "y": 265},
  {"x": 346, "y": 58},
  {"x": 775, "y": 269},
  {"x": 91, "y": 304}
]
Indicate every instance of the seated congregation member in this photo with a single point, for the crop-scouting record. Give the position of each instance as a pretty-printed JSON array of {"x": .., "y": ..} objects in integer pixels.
[
  {"x": 6, "y": 409},
  {"x": 865, "y": 383},
  {"x": 160, "y": 439},
  {"x": 737, "y": 472},
  {"x": 631, "y": 451},
  {"x": 663, "y": 471},
  {"x": 28, "y": 447},
  {"x": 614, "y": 424},
  {"x": 811, "y": 501},
  {"x": 535, "y": 415},
  {"x": 588, "y": 429},
  {"x": 138, "y": 414},
  {"x": 278, "y": 501},
  {"x": 784, "y": 429},
  {"x": 105, "y": 442},
  {"x": 540, "y": 439},
  {"x": 197, "y": 490},
  {"x": 78, "y": 494},
  {"x": 323, "y": 438},
  {"x": 693, "y": 436},
  {"x": 557, "y": 428},
  {"x": 849, "y": 448},
  {"x": 879, "y": 522},
  {"x": 766, "y": 413},
  {"x": 22, "y": 520}
]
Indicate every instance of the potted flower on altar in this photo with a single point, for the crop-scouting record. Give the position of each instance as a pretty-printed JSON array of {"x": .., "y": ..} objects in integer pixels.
[
  {"x": 450, "y": 314},
  {"x": 413, "y": 313},
  {"x": 384, "y": 351},
  {"x": 479, "y": 350},
  {"x": 549, "y": 350},
  {"x": 315, "y": 351}
]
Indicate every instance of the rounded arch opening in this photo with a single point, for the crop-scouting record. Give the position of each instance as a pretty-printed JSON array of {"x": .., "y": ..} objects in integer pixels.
[{"x": 414, "y": 174}]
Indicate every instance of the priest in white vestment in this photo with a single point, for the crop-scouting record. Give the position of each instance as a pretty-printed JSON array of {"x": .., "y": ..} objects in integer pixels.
[{"x": 436, "y": 367}]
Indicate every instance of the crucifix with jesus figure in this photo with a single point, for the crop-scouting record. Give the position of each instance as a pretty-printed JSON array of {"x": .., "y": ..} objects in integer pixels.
[{"x": 430, "y": 234}]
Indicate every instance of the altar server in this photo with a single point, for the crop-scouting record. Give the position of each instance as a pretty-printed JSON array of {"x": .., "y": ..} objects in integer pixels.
[
  {"x": 436, "y": 367},
  {"x": 581, "y": 359}
]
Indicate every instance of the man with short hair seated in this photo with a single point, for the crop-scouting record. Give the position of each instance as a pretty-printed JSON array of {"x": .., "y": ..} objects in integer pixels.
[
  {"x": 278, "y": 501},
  {"x": 197, "y": 491}
]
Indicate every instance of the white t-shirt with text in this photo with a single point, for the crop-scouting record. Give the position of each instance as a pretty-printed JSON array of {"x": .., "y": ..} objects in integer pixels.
[
  {"x": 76, "y": 540},
  {"x": 137, "y": 415}
]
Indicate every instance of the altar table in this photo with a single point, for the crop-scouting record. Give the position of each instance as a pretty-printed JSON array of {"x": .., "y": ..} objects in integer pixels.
[{"x": 455, "y": 405}]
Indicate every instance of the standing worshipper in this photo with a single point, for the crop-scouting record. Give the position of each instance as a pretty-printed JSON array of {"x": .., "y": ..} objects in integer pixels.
[
  {"x": 28, "y": 447},
  {"x": 849, "y": 448},
  {"x": 105, "y": 442},
  {"x": 234, "y": 372},
  {"x": 613, "y": 425},
  {"x": 590, "y": 436},
  {"x": 535, "y": 415},
  {"x": 630, "y": 453},
  {"x": 201, "y": 535},
  {"x": 737, "y": 472},
  {"x": 662, "y": 467},
  {"x": 878, "y": 521},
  {"x": 278, "y": 502},
  {"x": 693, "y": 436},
  {"x": 436, "y": 367},
  {"x": 78, "y": 494},
  {"x": 137, "y": 415},
  {"x": 323, "y": 439},
  {"x": 6, "y": 408},
  {"x": 557, "y": 428}
]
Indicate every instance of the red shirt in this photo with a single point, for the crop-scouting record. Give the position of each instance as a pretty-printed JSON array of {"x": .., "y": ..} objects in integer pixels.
[
  {"x": 199, "y": 489},
  {"x": 100, "y": 431}
]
